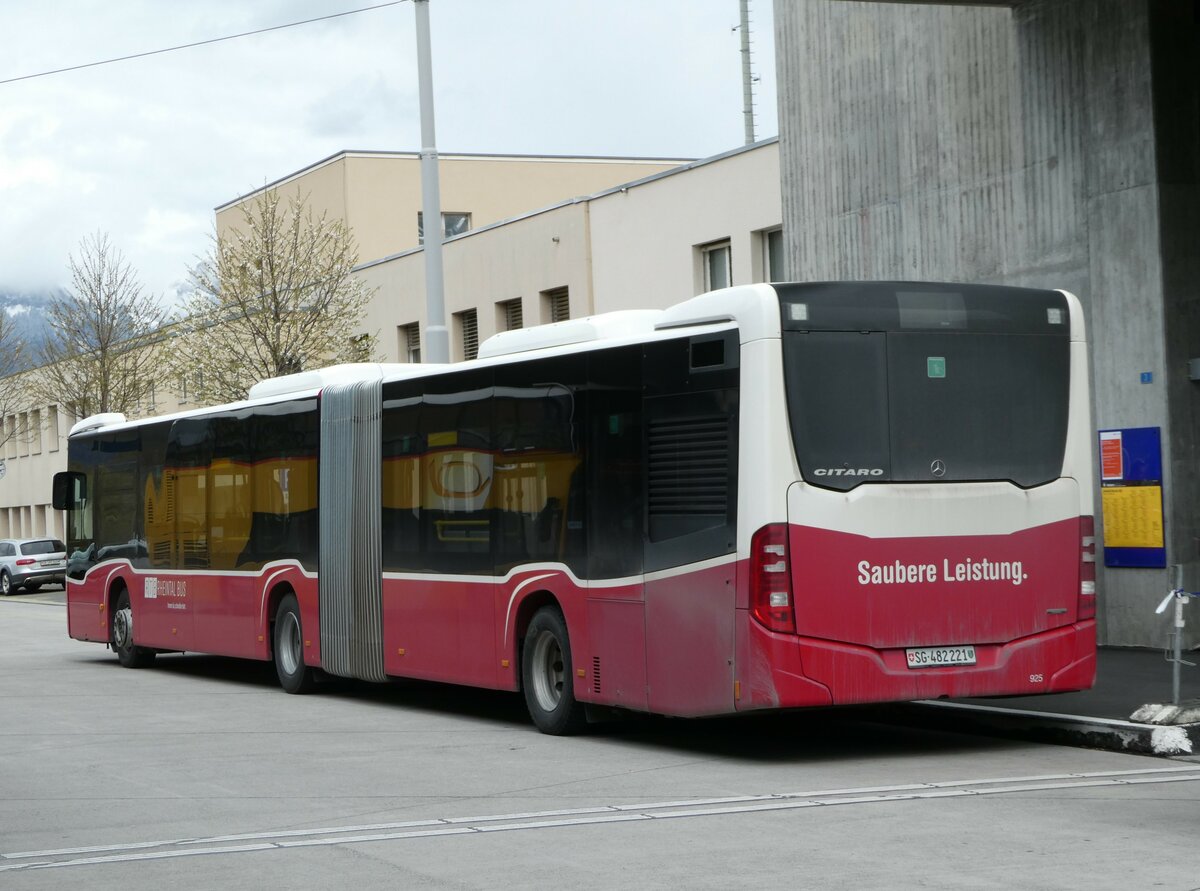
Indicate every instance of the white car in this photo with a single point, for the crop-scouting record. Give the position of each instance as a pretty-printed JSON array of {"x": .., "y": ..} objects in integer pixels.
[{"x": 30, "y": 563}]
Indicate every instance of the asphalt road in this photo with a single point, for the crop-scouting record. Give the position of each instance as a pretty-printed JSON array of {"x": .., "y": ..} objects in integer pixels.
[{"x": 201, "y": 773}]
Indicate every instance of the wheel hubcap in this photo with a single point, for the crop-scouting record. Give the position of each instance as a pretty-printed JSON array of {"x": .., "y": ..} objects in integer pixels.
[
  {"x": 289, "y": 644},
  {"x": 548, "y": 671},
  {"x": 123, "y": 629}
]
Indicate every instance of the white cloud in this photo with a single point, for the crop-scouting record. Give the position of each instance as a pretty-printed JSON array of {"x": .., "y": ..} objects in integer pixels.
[{"x": 144, "y": 150}]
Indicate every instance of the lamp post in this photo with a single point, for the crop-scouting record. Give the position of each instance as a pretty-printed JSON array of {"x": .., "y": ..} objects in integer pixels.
[{"x": 437, "y": 338}]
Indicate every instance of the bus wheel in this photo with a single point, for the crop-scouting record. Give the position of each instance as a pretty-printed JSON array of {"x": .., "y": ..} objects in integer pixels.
[
  {"x": 294, "y": 675},
  {"x": 120, "y": 635},
  {"x": 546, "y": 675}
]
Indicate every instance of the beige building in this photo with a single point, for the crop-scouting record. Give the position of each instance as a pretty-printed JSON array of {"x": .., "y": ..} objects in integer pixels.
[
  {"x": 644, "y": 244},
  {"x": 378, "y": 194},
  {"x": 543, "y": 239}
]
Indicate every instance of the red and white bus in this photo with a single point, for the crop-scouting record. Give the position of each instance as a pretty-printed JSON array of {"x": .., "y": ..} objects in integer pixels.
[{"x": 771, "y": 496}]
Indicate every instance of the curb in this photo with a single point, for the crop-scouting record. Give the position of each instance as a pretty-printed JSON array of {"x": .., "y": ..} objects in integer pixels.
[{"x": 1073, "y": 730}]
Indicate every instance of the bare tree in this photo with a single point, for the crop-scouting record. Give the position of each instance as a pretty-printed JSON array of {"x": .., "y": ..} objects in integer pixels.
[
  {"x": 274, "y": 296},
  {"x": 100, "y": 354},
  {"x": 14, "y": 355}
]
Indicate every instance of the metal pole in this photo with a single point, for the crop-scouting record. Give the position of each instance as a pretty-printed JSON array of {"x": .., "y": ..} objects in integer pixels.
[
  {"x": 437, "y": 338},
  {"x": 1178, "y": 649},
  {"x": 747, "y": 83}
]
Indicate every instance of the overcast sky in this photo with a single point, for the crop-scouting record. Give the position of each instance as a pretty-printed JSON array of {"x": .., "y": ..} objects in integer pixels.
[{"x": 145, "y": 149}]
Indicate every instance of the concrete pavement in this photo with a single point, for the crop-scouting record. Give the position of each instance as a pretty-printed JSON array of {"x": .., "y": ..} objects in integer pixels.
[
  {"x": 1103, "y": 717},
  {"x": 1127, "y": 679}
]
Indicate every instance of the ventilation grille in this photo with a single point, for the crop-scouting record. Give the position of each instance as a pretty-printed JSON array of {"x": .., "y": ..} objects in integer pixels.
[
  {"x": 689, "y": 467},
  {"x": 558, "y": 302},
  {"x": 595, "y": 674},
  {"x": 469, "y": 326},
  {"x": 513, "y": 317}
]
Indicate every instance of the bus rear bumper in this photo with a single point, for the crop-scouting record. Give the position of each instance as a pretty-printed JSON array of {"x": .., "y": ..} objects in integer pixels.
[{"x": 808, "y": 671}]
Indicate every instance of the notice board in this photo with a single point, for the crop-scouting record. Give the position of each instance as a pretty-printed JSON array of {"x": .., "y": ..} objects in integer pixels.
[{"x": 1131, "y": 497}]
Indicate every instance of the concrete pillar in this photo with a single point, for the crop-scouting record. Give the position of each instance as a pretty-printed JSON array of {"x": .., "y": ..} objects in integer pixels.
[{"x": 1050, "y": 144}]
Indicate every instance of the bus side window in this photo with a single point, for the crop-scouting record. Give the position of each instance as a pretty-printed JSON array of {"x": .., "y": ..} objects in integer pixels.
[
  {"x": 537, "y": 492},
  {"x": 457, "y": 474},
  {"x": 614, "y": 463},
  {"x": 189, "y": 453}
]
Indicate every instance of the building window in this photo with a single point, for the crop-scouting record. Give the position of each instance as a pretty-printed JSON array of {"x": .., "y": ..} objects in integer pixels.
[
  {"x": 773, "y": 265},
  {"x": 452, "y": 224},
  {"x": 508, "y": 315},
  {"x": 468, "y": 332},
  {"x": 716, "y": 259},
  {"x": 35, "y": 430},
  {"x": 556, "y": 305},
  {"x": 410, "y": 343},
  {"x": 54, "y": 428}
]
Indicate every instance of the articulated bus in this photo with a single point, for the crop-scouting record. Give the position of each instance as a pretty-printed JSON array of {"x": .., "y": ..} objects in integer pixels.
[{"x": 765, "y": 497}]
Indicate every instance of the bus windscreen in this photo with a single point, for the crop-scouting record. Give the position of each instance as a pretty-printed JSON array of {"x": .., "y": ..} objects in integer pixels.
[{"x": 926, "y": 387}]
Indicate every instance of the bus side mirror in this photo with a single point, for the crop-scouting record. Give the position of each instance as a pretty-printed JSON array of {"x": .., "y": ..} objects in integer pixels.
[{"x": 70, "y": 489}]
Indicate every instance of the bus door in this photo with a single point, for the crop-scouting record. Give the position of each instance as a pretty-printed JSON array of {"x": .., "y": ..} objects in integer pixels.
[
  {"x": 691, "y": 417},
  {"x": 613, "y": 519}
]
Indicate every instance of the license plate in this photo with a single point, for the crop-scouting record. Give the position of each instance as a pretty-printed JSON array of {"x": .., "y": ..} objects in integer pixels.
[
  {"x": 932, "y": 657},
  {"x": 52, "y": 564}
]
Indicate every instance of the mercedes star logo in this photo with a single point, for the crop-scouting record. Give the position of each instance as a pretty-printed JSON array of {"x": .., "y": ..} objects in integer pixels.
[{"x": 938, "y": 467}]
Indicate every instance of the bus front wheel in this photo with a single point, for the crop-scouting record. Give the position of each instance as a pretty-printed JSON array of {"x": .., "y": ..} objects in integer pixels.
[
  {"x": 120, "y": 635},
  {"x": 546, "y": 675},
  {"x": 294, "y": 675}
]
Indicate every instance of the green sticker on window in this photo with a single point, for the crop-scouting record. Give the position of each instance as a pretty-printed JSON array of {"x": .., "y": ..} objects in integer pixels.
[{"x": 936, "y": 366}]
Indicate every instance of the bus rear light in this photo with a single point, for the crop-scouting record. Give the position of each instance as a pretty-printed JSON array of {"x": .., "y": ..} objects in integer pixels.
[
  {"x": 1087, "y": 569},
  {"x": 771, "y": 579}
]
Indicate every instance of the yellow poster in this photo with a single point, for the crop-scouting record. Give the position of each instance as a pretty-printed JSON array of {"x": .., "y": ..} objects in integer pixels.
[{"x": 1132, "y": 516}]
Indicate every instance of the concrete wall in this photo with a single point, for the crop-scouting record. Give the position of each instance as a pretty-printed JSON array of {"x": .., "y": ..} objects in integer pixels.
[
  {"x": 646, "y": 240},
  {"x": 1022, "y": 146},
  {"x": 520, "y": 260}
]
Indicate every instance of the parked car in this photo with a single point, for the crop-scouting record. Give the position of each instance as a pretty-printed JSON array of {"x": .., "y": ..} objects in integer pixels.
[{"x": 30, "y": 563}]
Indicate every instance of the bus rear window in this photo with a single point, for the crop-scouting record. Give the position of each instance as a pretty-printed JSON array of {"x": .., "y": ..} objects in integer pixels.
[{"x": 927, "y": 406}]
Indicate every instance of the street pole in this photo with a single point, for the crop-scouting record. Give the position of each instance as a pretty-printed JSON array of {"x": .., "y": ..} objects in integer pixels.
[
  {"x": 747, "y": 82},
  {"x": 437, "y": 338}
]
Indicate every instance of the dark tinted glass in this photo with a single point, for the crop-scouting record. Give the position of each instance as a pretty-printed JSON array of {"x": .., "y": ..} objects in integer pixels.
[
  {"x": 189, "y": 453},
  {"x": 157, "y": 517},
  {"x": 43, "y": 547},
  {"x": 999, "y": 413},
  {"x": 538, "y": 492},
  {"x": 615, "y": 463},
  {"x": 403, "y": 449},
  {"x": 283, "y": 442},
  {"x": 838, "y": 405},
  {"x": 933, "y": 306},
  {"x": 927, "y": 406}
]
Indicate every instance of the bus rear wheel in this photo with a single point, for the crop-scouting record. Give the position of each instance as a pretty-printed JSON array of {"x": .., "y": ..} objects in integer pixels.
[
  {"x": 120, "y": 635},
  {"x": 294, "y": 675},
  {"x": 546, "y": 675}
]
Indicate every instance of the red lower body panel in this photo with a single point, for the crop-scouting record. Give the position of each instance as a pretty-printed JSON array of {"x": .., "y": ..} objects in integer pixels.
[{"x": 785, "y": 671}]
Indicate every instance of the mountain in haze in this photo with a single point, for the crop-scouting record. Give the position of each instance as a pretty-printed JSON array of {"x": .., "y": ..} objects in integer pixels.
[{"x": 26, "y": 312}]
